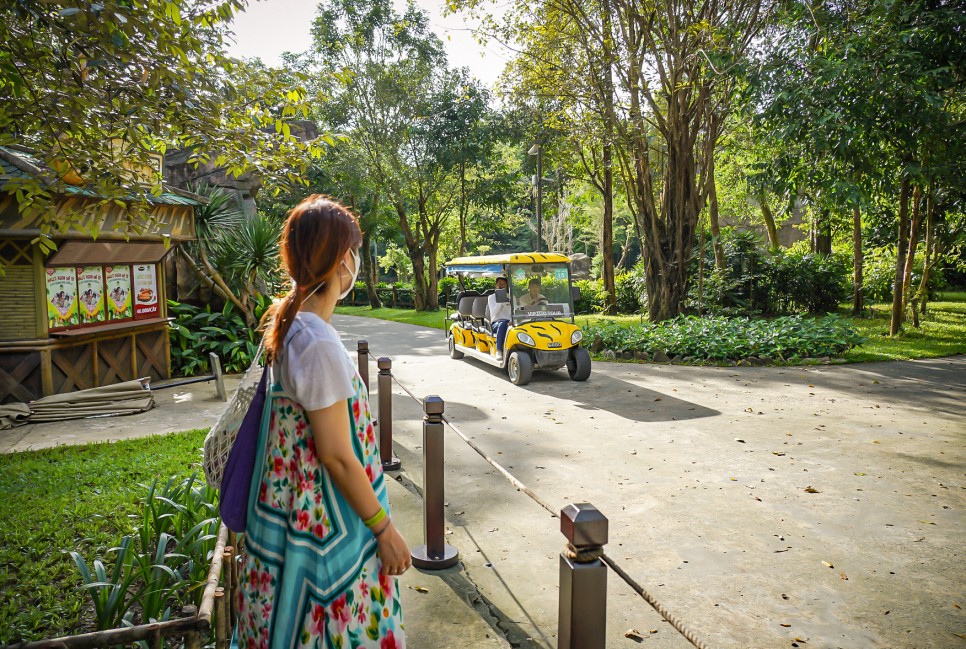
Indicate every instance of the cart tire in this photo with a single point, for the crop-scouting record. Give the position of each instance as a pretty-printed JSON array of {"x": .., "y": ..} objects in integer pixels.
[
  {"x": 520, "y": 368},
  {"x": 453, "y": 352},
  {"x": 578, "y": 365}
]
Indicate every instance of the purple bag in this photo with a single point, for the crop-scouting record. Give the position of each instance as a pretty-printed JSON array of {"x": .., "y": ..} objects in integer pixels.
[{"x": 237, "y": 481}]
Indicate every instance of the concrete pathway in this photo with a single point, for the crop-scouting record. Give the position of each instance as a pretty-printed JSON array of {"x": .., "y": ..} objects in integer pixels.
[{"x": 820, "y": 506}]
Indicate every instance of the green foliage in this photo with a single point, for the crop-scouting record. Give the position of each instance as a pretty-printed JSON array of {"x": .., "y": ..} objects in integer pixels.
[
  {"x": 879, "y": 274},
  {"x": 758, "y": 280},
  {"x": 592, "y": 296},
  {"x": 197, "y": 331},
  {"x": 103, "y": 84},
  {"x": 721, "y": 339},
  {"x": 156, "y": 568},
  {"x": 82, "y": 499},
  {"x": 631, "y": 290}
]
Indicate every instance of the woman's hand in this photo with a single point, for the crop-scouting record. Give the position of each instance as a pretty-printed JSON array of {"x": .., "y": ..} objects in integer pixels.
[{"x": 393, "y": 551}]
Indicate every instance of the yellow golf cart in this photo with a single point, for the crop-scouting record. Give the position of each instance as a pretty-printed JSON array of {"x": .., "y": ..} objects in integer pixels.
[{"x": 538, "y": 304}]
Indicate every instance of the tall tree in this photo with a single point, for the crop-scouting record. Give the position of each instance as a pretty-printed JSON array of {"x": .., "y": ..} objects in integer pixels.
[{"x": 96, "y": 87}]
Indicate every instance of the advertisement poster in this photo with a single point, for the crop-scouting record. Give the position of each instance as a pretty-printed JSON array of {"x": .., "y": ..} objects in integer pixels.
[
  {"x": 118, "y": 279},
  {"x": 146, "y": 303},
  {"x": 90, "y": 294},
  {"x": 61, "y": 298}
]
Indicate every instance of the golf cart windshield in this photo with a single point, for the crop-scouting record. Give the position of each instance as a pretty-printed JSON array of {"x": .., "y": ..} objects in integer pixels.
[{"x": 540, "y": 291}]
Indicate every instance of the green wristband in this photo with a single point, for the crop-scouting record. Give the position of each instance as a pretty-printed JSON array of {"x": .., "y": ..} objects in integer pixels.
[{"x": 375, "y": 520}]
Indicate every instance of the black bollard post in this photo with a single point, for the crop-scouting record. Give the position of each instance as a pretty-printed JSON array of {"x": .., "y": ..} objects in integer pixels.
[
  {"x": 363, "y": 363},
  {"x": 582, "y": 620},
  {"x": 389, "y": 461},
  {"x": 435, "y": 554}
]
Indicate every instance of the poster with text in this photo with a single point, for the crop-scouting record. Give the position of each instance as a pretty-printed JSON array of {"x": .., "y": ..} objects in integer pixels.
[
  {"x": 61, "y": 298},
  {"x": 118, "y": 279},
  {"x": 146, "y": 304},
  {"x": 90, "y": 294}
]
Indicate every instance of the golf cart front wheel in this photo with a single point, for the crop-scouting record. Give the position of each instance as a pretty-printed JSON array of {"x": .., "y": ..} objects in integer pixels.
[
  {"x": 520, "y": 368},
  {"x": 578, "y": 365},
  {"x": 453, "y": 352}
]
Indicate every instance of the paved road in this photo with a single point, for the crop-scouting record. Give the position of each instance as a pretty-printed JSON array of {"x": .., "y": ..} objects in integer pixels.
[{"x": 759, "y": 505}]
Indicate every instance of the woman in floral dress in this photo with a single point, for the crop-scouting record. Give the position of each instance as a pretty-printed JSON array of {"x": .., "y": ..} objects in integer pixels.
[{"x": 321, "y": 553}]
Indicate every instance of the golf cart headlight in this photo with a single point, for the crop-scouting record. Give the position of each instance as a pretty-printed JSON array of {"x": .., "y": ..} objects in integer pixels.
[
  {"x": 576, "y": 337},
  {"x": 525, "y": 339}
]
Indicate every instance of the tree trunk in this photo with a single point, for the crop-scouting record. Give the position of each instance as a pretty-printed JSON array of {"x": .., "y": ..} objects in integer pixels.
[
  {"x": 927, "y": 262},
  {"x": 901, "y": 245},
  {"x": 368, "y": 271},
  {"x": 462, "y": 208},
  {"x": 625, "y": 249},
  {"x": 213, "y": 276},
  {"x": 769, "y": 221},
  {"x": 913, "y": 244},
  {"x": 415, "y": 252},
  {"x": 607, "y": 237},
  {"x": 822, "y": 234},
  {"x": 719, "y": 256},
  {"x": 857, "y": 262}
]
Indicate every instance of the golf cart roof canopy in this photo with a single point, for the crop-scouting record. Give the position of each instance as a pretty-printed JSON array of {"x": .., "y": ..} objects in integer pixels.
[{"x": 494, "y": 263}]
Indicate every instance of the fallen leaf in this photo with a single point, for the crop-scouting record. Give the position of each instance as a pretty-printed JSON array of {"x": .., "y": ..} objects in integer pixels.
[
  {"x": 419, "y": 589},
  {"x": 827, "y": 564},
  {"x": 811, "y": 490},
  {"x": 739, "y": 440},
  {"x": 843, "y": 576},
  {"x": 859, "y": 473},
  {"x": 785, "y": 625},
  {"x": 778, "y": 453},
  {"x": 784, "y": 596},
  {"x": 734, "y": 479},
  {"x": 927, "y": 522},
  {"x": 749, "y": 410},
  {"x": 800, "y": 640},
  {"x": 633, "y": 634},
  {"x": 955, "y": 605}
]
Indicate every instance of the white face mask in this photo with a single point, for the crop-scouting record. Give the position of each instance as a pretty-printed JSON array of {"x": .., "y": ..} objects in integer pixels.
[{"x": 355, "y": 273}]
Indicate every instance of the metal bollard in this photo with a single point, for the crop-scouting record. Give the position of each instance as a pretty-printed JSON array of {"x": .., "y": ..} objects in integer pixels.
[
  {"x": 389, "y": 461},
  {"x": 363, "y": 349},
  {"x": 435, "y": 554},
  {"x": 582, "y": 619}
]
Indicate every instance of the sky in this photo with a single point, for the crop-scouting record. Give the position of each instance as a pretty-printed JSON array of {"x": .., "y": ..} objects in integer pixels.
[{"x": 268, "y": 28}]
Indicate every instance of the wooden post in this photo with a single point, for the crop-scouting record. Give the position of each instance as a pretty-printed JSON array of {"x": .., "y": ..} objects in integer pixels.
[
  {"x": 221, "y": 620},
  {"x": 582, "y": 613},
  {"x": 389, "y": 461},
  {"x": 192, "y": 639},
  {"x": 215, "y": 363},
  {"x": 435, "y": 554},
  {"x": 362, "y": 348}
]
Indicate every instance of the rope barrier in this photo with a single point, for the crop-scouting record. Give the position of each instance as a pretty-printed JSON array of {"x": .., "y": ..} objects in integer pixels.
[{"x": 580, "y": 556}]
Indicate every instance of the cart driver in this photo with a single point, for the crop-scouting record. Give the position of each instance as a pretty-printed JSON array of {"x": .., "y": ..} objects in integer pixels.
[
  {"x": 499, "y": 316},
  {"x": 533, "y": 296}
]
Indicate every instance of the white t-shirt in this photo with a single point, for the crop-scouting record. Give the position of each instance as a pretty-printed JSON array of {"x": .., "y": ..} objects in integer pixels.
[
  {"x": 497, "y": 310},
  {"x": 316, "y": 369}
]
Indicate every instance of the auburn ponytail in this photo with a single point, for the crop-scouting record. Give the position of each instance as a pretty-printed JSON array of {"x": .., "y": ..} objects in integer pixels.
[{"x": 316, "y": 235}]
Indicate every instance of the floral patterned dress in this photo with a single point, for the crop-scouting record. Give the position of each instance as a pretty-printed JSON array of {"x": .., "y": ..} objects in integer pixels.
[{"x": 310, "y": 574}]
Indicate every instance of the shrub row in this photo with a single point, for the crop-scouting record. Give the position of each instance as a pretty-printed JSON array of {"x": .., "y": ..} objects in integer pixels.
[
  {"x": 197, "y": 331},
  {"x": 720, "y": 338}
]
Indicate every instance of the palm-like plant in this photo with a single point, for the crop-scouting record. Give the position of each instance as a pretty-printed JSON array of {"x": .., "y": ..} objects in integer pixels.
[{"x": 235, "y": 256}]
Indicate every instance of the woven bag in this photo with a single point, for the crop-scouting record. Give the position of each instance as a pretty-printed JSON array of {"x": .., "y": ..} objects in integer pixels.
[{"x": 221, "y": 437}]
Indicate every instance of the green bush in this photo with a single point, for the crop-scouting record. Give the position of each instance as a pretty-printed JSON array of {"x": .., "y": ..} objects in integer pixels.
[
  {"x": 592, "y": 296},
  {"x": 630, "y": 289},
  {"x": 879, "y": 275},
  {"x": 198, "y": 331},
  {"x": 760, "y": 281},
  {"x": 719, "y": 338}
]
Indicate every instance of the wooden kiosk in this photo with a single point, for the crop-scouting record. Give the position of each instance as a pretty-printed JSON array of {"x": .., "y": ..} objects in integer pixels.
[{"x": 93, "y": 312}]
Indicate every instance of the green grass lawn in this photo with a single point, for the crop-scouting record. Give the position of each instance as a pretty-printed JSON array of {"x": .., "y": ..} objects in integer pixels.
[
  {"x": 72, "y": 498},
  {"x": 942, "y": 331}
]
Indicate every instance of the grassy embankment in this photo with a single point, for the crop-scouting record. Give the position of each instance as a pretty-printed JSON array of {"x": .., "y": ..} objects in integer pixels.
[
  {"x": 69, "y": 498},
  {"x": 942, "y": 331}
]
